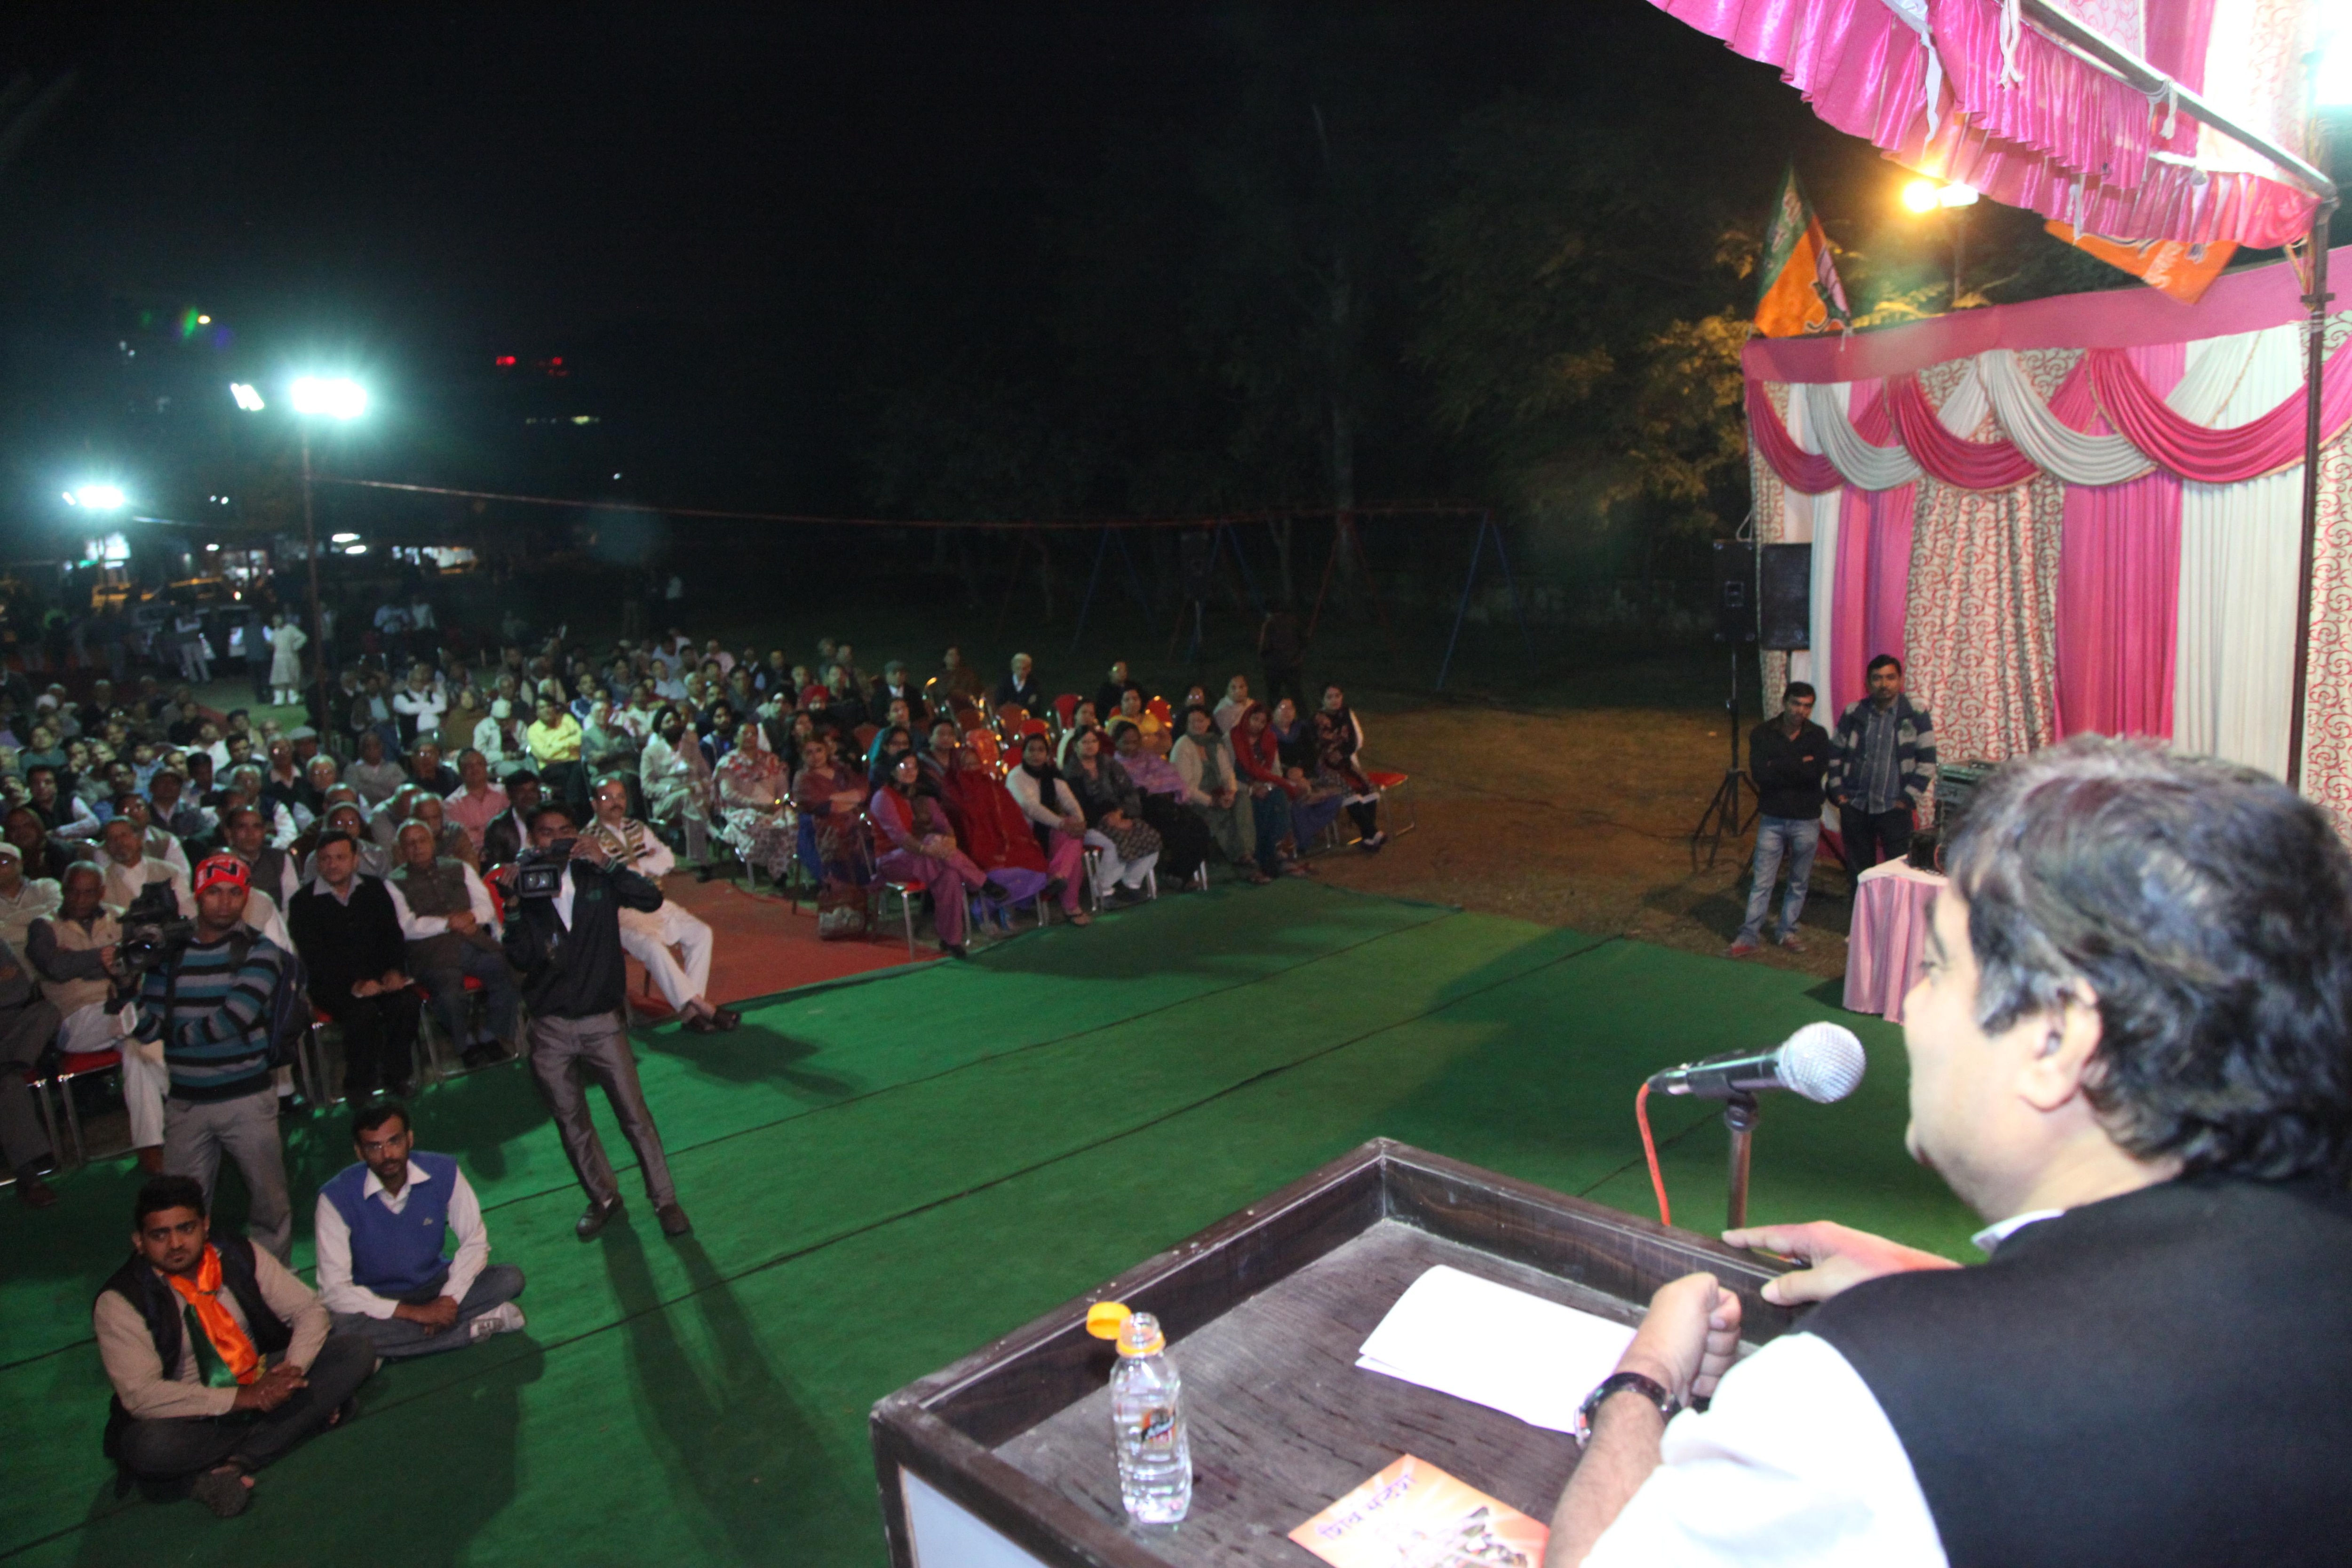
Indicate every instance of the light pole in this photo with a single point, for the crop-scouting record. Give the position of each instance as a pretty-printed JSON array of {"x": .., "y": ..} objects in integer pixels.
[
  {"x": 313, "y": 397},
  {"x": 1923, "y": 196}
]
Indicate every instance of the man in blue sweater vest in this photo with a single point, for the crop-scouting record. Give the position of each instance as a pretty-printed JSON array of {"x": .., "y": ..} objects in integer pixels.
[{"x": 382, "y": 1232}]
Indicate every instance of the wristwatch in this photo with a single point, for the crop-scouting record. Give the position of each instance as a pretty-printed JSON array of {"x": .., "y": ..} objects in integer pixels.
[{"x": 1621, "y": 1382}]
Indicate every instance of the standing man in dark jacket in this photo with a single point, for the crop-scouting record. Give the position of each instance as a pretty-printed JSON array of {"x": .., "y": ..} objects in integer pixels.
[
  {"x": 347, "y": 930},
  {"x": 567, "y": 945},
  {"x": 1786, "y": 757},
  {"x": 1883, "y": 766}
]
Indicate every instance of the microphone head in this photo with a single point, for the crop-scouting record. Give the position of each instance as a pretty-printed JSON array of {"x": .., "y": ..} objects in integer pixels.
[{"x": 1823, "y": 1062}]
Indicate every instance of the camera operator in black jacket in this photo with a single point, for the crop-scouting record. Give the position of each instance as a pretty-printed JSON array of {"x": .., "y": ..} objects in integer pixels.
[{"x": 564, "y": 934}]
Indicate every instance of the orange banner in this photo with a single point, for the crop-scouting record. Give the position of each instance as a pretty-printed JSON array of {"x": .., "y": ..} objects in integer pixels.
[{"x": 2181, "y": 270}]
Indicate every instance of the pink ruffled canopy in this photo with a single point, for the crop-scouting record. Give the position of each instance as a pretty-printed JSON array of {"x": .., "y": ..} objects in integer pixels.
[{"x": 2028, "y": 123}]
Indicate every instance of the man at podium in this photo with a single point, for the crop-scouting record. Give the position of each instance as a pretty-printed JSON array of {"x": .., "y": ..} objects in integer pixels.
[{"x": 2130, "y": 1053}]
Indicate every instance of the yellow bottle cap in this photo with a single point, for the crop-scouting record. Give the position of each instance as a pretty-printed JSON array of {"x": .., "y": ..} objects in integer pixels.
[{"x": 1104, "y": 1318}]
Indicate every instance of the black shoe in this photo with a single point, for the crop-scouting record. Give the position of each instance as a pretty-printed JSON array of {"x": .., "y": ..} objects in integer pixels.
[
  {"x": 953, "y": 952},
  {"x": 993, "y": 888},
  {"x": 597, "y": 1218},
  {"x": 726, "y": 1017},
  {"x": 674, "y": 1222},
  {"x": 702, "y": 1023},
  {"x": 1052, "y": 891}
]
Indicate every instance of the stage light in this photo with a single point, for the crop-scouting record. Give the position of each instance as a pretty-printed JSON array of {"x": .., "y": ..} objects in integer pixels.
[
  {"x": 343, "y": 538},
  {"x": 1926, "y": 195},
  {"x": 98, "y": 497},
  {"x": 334, "y": 398},
  {"x": 248, "y": 397},
  {"x": 355, "y": 549},
  {"x": 204, "y": 320}
]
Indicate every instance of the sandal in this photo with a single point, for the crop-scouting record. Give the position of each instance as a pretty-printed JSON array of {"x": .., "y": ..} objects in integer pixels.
[{"x": 223, "y": 1491}]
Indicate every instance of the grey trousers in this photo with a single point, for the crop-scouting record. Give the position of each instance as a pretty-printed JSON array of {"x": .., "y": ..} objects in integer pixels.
[
  {"x": 396, "y": 1337},
  {"x": 25, "y": 1033},
  {"x": 196, "y": 1133},
  {"x": 565, "y": 1055},
  {"x": 168, "y": 1450}
]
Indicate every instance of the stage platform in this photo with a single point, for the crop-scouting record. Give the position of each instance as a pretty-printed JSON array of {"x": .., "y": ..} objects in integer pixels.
[{"x": 885, "y": 1172}]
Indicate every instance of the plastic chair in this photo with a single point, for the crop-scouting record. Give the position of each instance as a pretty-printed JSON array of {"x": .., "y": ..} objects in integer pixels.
[
  {"x": 1093, "y": 882},
  {"x": 1158, "y": 707},
  {"x": 1065, "y": 710},
  {"x": 1383, "y": 783},
  {"x": 864, "y": 734},
  {"x": 71, "y": 1066},
  {"x": 882, "y": 887},
  {"x": 984, "y": 742}
]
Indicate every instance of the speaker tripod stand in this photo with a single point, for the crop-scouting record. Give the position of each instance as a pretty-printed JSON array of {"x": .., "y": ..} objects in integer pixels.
[{"x": 1722, "y": 814}]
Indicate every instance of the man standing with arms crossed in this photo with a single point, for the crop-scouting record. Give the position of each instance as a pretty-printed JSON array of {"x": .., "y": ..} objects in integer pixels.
[{"x": 1786, "y": 757}]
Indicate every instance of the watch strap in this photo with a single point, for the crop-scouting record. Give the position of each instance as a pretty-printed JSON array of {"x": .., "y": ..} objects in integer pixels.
[{"x": 1618, "y": 1383}]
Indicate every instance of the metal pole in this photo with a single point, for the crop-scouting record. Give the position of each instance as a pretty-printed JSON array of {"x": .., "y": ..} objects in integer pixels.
[
  {"x": 1463, "y": 610},
  {"x": 1739, "y": 1117},
  {"x": 1503, "y": 557},
  {"x": 310, "y": 544},
  {"x": 2314, "y": 363}
]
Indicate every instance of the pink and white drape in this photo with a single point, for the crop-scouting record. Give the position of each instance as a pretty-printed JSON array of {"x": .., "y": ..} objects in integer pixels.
[{"x": 2086, "y": 518}]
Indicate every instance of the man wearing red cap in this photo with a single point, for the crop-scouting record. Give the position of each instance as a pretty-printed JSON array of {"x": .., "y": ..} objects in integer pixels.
[{"x": 209, "y": 1008}]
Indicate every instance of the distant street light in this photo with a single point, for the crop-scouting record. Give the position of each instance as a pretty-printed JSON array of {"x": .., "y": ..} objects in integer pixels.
[
  {"x": 313, "y": 397},
  {"x": 98, "y": 497},
  {"x": 1925, "y": 197}
]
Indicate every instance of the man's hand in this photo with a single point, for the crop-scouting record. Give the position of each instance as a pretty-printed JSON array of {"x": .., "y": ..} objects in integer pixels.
[
  {"x": 366, "y": 987},
  {"x": 1116, "y": 819},
  {"x": 592, "y": 850},
  {"x": 505, "y": 875},
  {"x": 436, "y": 1315},
  {"x": 1690, "y": 1338},
  {"x": 394, "y": 980},
  {"x": 106, "y": 956},
  {"x": 272, "y": 1388},
  {"x": 1836, "y": 1258},
  {"x": 464, "y": 923}
]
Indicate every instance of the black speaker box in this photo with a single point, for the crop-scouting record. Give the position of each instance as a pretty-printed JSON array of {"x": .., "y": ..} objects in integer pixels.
[{"x": 1735, "y": 592}]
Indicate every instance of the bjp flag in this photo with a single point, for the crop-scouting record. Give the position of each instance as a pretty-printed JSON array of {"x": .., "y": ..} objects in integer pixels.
[
  {"x": 1800, "y": 291},
  {"x": 2179, "y": 267}
]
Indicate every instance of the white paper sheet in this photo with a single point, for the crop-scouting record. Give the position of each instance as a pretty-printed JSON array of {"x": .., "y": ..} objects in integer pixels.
[{"x": 1495, "y": 1346}]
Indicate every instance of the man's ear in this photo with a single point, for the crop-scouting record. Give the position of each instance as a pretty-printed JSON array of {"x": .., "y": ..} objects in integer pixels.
[{"x": 2064, "y": 1059}]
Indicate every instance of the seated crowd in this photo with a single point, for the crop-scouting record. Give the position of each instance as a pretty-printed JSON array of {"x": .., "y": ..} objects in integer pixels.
[{"x": 184, "y": 891}]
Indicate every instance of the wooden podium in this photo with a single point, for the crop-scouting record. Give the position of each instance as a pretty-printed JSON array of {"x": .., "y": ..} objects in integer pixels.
[{"x": 1004, "y": 1460}]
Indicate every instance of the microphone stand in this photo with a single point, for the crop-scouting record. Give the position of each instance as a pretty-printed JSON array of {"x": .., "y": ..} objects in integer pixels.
[{"x": 1739, "y": 1116}]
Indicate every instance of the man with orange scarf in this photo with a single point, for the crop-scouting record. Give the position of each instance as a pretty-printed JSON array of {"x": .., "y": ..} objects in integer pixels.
[{"x": 222, "y": 1360}]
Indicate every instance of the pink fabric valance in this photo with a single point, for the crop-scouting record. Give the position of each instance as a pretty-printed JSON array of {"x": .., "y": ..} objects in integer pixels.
[
  {"x": 2217, "y": 456},
  {"x": 1809, "y": 472},
  {"x": 2069, "y": 142},
  {"x": 1956, "y": 460}
]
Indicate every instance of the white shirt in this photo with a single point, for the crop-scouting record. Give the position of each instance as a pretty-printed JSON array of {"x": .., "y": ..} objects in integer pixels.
[
  {"x": 37, "y": 899},
  {"x": 122, "y": 883},
  {"x": 416, "y": 927},
  {"x": 1792, "y": 1463},
  {"x": 333, "y": 1241},
  {"x": 261, "y": 915}
]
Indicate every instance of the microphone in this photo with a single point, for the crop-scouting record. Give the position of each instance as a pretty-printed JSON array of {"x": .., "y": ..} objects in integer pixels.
[{"x": 1821, "y": 1062}]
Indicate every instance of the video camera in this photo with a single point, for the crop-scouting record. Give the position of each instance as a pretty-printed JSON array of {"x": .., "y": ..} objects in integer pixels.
[
  {"x": 539, "y": 873},
  {"x": 153, "y": 930}
]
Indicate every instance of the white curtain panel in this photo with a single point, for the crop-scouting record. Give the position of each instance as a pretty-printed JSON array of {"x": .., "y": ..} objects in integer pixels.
[
  {"x": 1870, "y": 468},
  {"x": 2241, "y": 553},
  {"x": 1812, "y": 519}
]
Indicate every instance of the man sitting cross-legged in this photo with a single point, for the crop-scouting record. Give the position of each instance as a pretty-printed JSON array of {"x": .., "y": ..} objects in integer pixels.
[
  {"x": 647, "y": 935},
  {"x": 382, "y": 1226},
  {"x": 446, "y": 913},
  {"x": 222, "y": 1361}
]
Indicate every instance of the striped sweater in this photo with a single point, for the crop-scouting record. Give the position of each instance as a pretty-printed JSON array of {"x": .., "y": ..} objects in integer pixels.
[{"x": 217, "y": 1046}]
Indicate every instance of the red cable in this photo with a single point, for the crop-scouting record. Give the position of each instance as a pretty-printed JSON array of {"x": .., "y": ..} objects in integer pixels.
[{"x": 1657, "y": 1177}]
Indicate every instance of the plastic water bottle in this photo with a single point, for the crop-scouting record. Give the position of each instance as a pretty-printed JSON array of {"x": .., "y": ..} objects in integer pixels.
[{"x": 1147, "y": 1414}]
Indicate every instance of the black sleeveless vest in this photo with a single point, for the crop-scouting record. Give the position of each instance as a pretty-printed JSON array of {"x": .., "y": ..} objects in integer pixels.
[
  {"x": 137, "y": 1282},
  {"x": 2161, "y": 1378}
]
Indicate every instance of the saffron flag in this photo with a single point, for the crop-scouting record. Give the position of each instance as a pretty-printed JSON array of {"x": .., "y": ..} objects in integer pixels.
[
  {"x": 1800, "y": 290},
  {"x": 2179, "y": 267}
]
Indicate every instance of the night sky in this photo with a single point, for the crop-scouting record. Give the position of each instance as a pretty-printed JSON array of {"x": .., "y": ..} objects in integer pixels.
[{"x": 716, "y": 215}]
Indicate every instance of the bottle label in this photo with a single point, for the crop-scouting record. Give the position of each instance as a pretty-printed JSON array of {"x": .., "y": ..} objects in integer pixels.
[{"x": 1157, "y": 1428}]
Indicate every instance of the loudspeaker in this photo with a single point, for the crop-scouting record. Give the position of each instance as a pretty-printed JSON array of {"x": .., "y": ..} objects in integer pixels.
[
  {"x": 1735, "y": 588},
  {"x": 1787, "y": 589}
]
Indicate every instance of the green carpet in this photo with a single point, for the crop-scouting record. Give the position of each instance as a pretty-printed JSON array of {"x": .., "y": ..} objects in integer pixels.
[{"x": 886, "y": 1173}]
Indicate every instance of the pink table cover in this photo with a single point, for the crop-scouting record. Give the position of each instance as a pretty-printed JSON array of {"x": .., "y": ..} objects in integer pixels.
[{"x": 1889, "y": 938}]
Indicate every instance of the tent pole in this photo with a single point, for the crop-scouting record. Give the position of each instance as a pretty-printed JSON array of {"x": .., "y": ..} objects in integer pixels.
[{"x": 2314, "y": 360}]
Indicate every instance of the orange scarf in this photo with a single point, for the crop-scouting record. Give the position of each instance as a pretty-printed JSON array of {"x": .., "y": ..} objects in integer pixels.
[{"x": 230, "y": 1342}]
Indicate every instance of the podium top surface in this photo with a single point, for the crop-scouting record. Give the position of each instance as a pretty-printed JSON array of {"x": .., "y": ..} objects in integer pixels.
[{"x": 1266, "y": 1312}]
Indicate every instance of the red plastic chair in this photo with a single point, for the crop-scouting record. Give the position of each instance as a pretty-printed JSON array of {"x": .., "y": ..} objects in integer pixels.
[
  {"x": 1065, "y": 709},
  {"x": 1158, "y": 707},
  {"x": 1384, "y": 782}
]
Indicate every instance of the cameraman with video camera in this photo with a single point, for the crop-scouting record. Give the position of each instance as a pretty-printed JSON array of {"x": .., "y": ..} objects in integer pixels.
[
  {"x": 564, "y": 934},
  {"x": 207, "y": 992}
]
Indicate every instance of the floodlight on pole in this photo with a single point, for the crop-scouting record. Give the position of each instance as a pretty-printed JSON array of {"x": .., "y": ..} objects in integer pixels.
[
  {"x": 1925, "y": 197},
  {"x": 332, "y": 396},
  {"x": 98, "y": 497}
]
